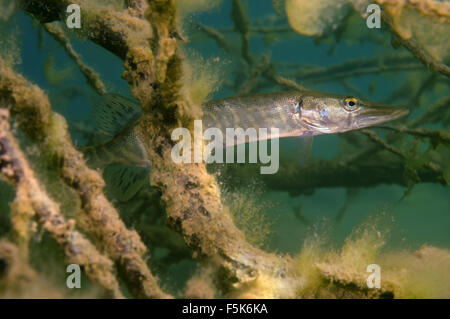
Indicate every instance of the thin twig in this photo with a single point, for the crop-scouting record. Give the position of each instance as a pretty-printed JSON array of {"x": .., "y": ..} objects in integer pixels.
[
  {"x": 379, "y": 141},
  {"x": 92, "y": 77},
  {"x": 242, "y": 24}
]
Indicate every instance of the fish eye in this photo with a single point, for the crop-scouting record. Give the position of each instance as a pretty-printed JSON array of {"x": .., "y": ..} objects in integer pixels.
[{"x": 351, "y": 104}]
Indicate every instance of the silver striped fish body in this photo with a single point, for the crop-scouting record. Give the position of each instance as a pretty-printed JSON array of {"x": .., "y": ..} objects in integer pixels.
[
  {"x": 298, "y": 113},
  {"x": 268, "y": 110},
  {"x": 295, "y": 113}
]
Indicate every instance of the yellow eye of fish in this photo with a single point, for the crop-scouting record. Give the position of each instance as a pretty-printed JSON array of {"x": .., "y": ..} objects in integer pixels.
[{"x": 351, "y": 104}]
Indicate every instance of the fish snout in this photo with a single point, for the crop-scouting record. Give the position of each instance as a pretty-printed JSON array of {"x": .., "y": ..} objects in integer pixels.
[{"x": 370, "y": 116}]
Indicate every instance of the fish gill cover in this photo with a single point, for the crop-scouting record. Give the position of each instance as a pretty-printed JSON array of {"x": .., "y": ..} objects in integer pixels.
[{"x": 93, "y": 184}]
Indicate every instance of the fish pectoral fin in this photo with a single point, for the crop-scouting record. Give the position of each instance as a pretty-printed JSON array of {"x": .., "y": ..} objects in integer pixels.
[
  {"x": 123, "y": 182},
  {"x": 113, "y": 114},
  {"x": 303, "y": 152}
]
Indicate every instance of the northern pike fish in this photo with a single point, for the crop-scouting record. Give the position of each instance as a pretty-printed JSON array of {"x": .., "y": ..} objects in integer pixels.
[{"x": 297, "y": 113}]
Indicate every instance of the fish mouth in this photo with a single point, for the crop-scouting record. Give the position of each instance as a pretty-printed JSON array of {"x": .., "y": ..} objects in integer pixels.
[{"x": 380, "y": 114}]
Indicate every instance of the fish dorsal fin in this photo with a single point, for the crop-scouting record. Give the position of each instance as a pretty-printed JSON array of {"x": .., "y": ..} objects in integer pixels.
[
  {"x": 112, "y": 115},
  {"x": 124, "y": 182}
]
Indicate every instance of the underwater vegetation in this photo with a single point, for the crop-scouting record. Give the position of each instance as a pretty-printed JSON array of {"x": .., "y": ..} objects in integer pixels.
[{"x": 97, "y": 187}]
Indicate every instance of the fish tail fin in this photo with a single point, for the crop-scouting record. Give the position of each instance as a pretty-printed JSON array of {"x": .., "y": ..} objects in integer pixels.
[
  {"x": 113, "y": 114},
  {"x": 126, "y": 148},
  {"x": 124, "y": 182}
]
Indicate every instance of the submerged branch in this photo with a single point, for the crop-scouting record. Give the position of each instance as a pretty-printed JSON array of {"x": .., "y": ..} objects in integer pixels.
[
  {"x": 242, "y": 25},
  {"x": 355, "y": 67},
  {"x": 433, "y": 114},
  {"x": 30, "y": 107},
  {"x": 382, "y": 143},
  {"x": 92, "y": 77},
  {"x": 216, "y": 36},
  {"x": 193, "y": 202},
  {"x": 411, "y": 43},
  {"x": 16, "y": 274},
  {"x": 77, "y": 248},
  {"x": 372, "y": 169},
  {"x": 435, "y": 135}
]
